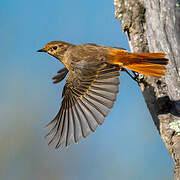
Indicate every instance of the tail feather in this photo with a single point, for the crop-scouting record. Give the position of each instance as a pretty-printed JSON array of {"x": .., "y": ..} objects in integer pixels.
[
  {"x": 162, "y": 61},
  {"x": 152, "y": 64},
  {"x": 155, "y": 58},
  {"x": 146, "y": 69}
]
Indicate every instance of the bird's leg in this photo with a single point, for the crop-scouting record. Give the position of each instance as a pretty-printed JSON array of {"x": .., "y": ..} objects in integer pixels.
[{"x": 135, "y": 77}]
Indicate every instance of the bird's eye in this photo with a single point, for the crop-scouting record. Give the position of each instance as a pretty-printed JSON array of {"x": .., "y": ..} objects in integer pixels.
[{"x": 54, "y": 47}]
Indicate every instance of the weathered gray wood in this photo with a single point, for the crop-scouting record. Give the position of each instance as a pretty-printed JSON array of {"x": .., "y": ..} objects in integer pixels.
[{"x": 154, "y": 25}]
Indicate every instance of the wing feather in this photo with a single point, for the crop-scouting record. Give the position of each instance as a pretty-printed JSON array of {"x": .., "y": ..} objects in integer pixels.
[
  {"x": 60, "y": 76},
  {"x": 87, "y": 99}
]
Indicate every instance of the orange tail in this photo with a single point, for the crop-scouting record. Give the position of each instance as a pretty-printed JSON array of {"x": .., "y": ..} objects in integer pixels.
[{"x": 152, "y": 64}]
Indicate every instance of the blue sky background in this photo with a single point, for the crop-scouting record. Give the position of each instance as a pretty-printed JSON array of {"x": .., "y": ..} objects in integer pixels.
[{"x": 127, "y": 146}]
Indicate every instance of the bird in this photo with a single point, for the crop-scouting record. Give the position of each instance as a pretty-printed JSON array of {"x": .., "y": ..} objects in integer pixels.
[{"x": 92, "y": 85}]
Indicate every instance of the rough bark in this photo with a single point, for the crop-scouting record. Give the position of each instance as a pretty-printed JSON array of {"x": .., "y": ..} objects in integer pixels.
[{"x": 154, "y": 26}]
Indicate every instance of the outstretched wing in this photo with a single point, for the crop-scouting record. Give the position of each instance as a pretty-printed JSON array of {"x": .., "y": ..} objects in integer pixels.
[
  {"x": 87, "y": 99},
  {"x": 61, "y": 74}
]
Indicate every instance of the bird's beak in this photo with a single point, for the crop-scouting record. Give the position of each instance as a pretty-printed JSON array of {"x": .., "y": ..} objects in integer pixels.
[{"x": 41, "y": 50}]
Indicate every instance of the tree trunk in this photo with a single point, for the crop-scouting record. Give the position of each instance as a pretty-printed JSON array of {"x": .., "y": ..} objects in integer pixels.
[{"x": 154, "y": 26}]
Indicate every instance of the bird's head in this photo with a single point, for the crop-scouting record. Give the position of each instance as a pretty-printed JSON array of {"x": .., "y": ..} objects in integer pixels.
[{"x": 56, "y": 48}]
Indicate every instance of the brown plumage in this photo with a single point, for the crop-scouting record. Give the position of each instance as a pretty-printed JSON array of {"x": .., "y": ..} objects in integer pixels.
[{"x": 92, "y": 85}]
